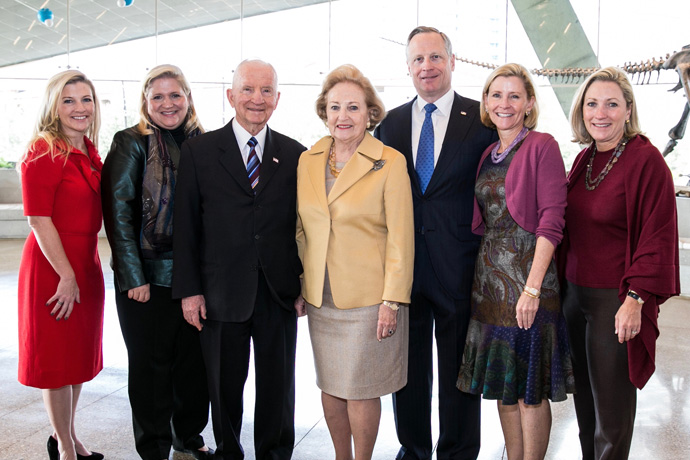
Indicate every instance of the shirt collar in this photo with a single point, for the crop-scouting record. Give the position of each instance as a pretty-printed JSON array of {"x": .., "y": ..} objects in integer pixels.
[
  {"x": 243, "y": 136},
  {"x": 443, "y": 104}
]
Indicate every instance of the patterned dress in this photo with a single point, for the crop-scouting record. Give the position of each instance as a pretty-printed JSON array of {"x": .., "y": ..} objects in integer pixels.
[{"x": 502, "y": 361}]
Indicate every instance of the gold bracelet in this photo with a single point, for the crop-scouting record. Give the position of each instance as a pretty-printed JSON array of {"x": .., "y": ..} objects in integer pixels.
[
  {"x": 531, "y": 292},
  {"x": 395, "y": 306},
  {"x": 528, "y": 294}
]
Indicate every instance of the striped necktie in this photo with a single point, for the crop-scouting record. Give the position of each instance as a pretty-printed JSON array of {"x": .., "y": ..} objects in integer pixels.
[{"x": 253, "y": 163}]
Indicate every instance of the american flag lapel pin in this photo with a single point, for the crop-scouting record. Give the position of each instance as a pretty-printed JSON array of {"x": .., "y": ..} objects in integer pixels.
[
  {"x": 275, "y": 160},
  {"x": 463, "y": 113}
]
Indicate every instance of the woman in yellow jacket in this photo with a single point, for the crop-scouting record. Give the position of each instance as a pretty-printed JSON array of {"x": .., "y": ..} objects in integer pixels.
[{"x": 355, "y": 232}]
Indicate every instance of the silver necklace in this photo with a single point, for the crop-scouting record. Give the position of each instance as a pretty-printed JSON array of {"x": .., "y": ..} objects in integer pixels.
[{"x": 498, "y": 157}]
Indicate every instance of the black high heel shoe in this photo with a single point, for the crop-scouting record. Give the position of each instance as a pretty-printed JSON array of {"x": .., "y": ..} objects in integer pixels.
[
  {"x": 53, "y": 452},
  {"x": 93, "y": 456}
]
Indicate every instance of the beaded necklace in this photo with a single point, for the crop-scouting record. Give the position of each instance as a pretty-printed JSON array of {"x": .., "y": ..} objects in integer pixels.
[
  {"x": 498, "y": 157},
  {"x": 592, "y": 184},
  {"x": 331, "y": 161}
]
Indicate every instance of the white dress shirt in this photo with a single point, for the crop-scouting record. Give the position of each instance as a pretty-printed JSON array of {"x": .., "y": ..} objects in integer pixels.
[
  {"x": 439, "y": 118},
  {"x": 243, "y": 136}
]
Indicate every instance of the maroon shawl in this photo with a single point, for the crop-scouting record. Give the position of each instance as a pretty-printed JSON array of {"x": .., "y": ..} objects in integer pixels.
[{"x": 651, "y": 261}]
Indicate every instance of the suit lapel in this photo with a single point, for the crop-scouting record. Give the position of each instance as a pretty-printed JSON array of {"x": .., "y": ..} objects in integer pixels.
[
  {"x": 230, "y": 159},
  {"x": 362, "y": 161},
  {"x": 405, "y": 127},
  {"x": 459, "y": 123},
  {"x": 316, "y": 169}
]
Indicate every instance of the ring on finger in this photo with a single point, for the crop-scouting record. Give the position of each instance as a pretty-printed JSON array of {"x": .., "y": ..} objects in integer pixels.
[
  {"x": 391, "y": 331},
  {"x": 60, "y": 302}
]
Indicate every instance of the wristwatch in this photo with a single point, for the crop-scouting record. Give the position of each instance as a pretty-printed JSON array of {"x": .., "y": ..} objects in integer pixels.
[
  {"x": 635, "y": 296},
  {"x": 395, "y": 306}
]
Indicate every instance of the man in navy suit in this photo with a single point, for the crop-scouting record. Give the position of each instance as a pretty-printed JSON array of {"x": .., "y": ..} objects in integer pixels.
[
  {"x": 449, "y": 128},
  {"x": 236, "y": 266}
]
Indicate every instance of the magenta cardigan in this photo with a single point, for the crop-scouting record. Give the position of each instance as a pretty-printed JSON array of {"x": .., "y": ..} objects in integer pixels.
[{"x": 536, "y": 188}]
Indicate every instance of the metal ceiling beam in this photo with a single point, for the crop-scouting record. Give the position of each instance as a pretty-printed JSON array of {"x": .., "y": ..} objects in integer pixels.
[{"x": 558, "y": 39}]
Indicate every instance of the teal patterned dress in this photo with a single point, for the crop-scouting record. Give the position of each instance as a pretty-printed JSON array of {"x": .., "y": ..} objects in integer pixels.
[{"x": 502, "y": 361}]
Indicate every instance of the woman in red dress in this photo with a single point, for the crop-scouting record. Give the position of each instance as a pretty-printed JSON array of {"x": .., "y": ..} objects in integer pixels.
[{"x": 61, "y": 290}]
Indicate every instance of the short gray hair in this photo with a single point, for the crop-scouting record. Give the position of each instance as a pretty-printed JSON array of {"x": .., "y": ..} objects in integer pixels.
[
  {"x": 241, "y": 65},
  {"x": 430, "y": 30}
]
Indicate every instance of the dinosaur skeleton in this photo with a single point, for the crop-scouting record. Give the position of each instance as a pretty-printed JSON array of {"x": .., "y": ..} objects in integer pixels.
[
  {"x": 681, "y": 62},
  {"x": 678, "y": 61}
]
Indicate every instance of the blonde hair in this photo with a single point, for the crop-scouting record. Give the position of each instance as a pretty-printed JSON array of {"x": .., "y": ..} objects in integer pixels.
[
  {"x": 612, "y": 74},
  {"x": 48, "y": 127},
  {"x": 511, "y": 70},
  {"x": 166, "y": 71},
  {"x": 351, "y": 74}
]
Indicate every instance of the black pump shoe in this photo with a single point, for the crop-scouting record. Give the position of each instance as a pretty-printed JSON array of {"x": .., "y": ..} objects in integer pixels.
[
  {"x": 93, "y": 456},
  {"x": 53, "y": 452}
]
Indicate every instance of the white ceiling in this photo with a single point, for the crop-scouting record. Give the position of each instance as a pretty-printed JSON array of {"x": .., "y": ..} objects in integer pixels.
[{"x": 94, "y": 23}]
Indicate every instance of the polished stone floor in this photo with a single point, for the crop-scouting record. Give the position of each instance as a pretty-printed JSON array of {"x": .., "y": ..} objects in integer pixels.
[{"x": 662, "y": 428}]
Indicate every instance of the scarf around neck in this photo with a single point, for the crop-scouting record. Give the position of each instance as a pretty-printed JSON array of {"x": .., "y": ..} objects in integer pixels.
[{"x": 158, "y": 197}]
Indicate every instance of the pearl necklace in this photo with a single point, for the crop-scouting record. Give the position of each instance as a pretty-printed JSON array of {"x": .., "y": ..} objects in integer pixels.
[
  {"x": 496, "y": 157},
  {"x": 592, "y": 184}
]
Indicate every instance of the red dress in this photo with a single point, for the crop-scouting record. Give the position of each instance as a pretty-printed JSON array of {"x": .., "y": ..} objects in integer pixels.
[{"x": 54, "y": 353}]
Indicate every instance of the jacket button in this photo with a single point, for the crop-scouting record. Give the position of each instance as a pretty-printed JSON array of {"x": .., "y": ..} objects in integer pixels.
[{"x": 256, "y": 237}]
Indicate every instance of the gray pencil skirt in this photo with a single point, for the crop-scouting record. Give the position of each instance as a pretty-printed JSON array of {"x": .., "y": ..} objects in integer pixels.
[{"x": 350, "y": 363}]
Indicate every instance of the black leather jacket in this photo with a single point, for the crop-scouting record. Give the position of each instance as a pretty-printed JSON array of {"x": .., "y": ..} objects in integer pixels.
[{"x": 122, "y": 177}]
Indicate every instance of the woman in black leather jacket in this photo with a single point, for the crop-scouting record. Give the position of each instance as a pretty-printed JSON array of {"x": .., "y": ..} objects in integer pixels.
[{"x": 167, "y": 379}]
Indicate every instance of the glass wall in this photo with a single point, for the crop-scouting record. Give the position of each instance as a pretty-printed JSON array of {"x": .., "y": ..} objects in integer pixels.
[{"x": 304, "y": 43}]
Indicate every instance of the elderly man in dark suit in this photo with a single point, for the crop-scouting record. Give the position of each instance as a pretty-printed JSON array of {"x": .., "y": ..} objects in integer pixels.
[
  {"x": 236, "y": 266},
  {"x": 442, "y": 137}
]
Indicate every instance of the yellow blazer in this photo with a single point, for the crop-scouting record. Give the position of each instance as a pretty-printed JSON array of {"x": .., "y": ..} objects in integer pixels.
[{"x": 363, "y": 230}]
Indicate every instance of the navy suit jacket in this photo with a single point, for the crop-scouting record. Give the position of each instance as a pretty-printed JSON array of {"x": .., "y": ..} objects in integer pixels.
[
  {"x": 443, "y": 214},
  {"x": 224, "y": 232}
]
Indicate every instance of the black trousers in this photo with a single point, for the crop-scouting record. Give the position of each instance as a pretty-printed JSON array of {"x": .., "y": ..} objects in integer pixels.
[
  {"x": 167, "y": 380},
  {"x": 459, "y": 413},
  {"x": 273, "y": 331},
  {"x": 606, "y": 400}
]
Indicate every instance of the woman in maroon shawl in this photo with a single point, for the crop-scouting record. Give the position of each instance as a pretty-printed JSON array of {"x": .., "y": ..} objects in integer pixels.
[{"x": 621, "y": 261}]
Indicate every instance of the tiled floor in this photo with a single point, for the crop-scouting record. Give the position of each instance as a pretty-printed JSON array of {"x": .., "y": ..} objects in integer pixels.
[{"x": 662, "y": 429}]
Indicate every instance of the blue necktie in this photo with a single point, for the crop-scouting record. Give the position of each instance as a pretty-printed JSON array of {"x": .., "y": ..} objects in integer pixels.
[
  {"x": 425, "y": 150},
  {"x": 253, "y": 163}
]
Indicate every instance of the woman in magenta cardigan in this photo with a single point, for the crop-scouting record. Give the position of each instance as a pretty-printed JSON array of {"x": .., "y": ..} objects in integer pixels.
[
  {"x": 516, "y": 350},
  {"x": 620, "y": 260}
]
